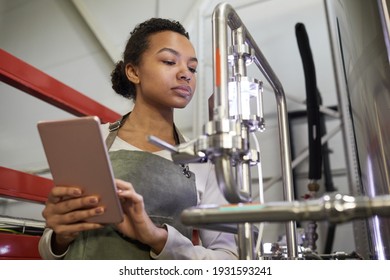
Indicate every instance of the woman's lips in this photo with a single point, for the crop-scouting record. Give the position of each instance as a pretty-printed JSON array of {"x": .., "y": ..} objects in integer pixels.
[{"x": 183, "y": 90}]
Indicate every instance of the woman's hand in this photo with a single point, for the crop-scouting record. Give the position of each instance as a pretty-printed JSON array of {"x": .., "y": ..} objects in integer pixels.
[
  {"x": 137, "y": 224},
  {"x": 65, "y": 212}
]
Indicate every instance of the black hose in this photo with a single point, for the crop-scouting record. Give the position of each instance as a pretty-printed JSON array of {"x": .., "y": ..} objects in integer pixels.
[
  {"x": 318, "y": 153},
  {"x": 312, "y": 103}
]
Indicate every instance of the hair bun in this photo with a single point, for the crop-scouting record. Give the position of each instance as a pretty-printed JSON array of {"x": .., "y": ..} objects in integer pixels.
[{"x": 119, "y": 81}]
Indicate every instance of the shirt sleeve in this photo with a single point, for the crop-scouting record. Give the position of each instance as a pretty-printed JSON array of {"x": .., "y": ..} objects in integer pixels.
[
  {"x": 179, "y": 247},
  {"x": 44, "y": 246}
]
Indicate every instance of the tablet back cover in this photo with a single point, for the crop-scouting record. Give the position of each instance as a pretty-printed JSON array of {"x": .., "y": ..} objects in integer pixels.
[{"x": 77, "y": 155}]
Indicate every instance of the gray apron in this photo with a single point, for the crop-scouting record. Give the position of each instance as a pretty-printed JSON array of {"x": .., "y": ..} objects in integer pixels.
[{"x": 167, "y": 189}]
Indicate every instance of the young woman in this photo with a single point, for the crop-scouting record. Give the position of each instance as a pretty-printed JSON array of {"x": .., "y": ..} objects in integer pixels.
[{"x": 158, "y": 72}]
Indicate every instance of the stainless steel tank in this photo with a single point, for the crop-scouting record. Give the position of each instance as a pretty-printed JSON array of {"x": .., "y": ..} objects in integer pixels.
[{"x": 359, "y": 33}]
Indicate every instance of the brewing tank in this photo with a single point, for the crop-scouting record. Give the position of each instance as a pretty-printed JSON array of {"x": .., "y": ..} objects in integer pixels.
[{"x": 360, "y": 43}]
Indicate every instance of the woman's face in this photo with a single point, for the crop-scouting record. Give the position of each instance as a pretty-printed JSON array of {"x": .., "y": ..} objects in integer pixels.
[{"x": 167, "y": 72}]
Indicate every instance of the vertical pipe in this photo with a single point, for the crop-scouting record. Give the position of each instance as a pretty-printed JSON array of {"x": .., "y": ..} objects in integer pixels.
[
  {"x": 220, "y": 64},
  {"x": 245, "y": 241},
  {"x": 225, "y": 16}
]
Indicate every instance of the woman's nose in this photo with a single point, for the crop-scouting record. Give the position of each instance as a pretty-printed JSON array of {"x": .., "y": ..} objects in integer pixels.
[{"x": 185, "y": 74}]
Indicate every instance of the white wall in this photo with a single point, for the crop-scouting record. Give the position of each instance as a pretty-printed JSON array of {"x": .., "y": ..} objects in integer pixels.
[{"x": 53, "y": 36}]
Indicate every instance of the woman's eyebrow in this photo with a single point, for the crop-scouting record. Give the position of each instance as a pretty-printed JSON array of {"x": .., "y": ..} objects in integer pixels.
[{"x": 175, "y": 53}]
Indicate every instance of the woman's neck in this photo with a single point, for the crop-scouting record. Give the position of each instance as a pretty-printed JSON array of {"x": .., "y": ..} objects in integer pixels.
[{"x": 139, "y": 125}]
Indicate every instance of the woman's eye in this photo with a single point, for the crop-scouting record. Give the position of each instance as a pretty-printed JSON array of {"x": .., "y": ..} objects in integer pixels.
[
  {"x": 192, "y": 70},
  {"x": 168, "y": 62}
]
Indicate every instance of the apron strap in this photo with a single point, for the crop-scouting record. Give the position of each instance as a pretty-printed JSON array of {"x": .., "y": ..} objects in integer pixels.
[{"x": 114, "y": 127}]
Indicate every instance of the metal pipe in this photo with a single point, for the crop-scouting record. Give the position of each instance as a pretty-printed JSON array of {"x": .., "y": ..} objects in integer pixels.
[
  {"x": 335, "y": 208},
  {"x": 226, "y": 180},
  {"x": 224, "y": 15}
]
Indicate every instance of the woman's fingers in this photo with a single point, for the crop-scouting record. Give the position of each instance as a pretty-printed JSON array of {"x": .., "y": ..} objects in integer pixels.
[
  {"x": 76, "y": 216},
  {"x": 69, "y": 205},
  {"x": 59, "y": 193},
  {"x": 123, "y": 185},
  {"x": 66, "y": 205},
  {"x": 72, "y": 230},
  {"x": 126, "y": 190},
  {"x": 67, "y": 212}
]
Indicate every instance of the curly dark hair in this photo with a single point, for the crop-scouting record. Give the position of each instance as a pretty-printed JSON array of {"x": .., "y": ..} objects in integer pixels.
[{"x": 137, "y": 44}]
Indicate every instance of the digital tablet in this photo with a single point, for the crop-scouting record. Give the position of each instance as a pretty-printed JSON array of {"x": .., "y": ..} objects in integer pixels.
[{"x": 77, "y": 156}]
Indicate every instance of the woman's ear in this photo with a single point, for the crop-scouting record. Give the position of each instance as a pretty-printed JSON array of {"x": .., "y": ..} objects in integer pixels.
[{"x": 132, "y": 74}]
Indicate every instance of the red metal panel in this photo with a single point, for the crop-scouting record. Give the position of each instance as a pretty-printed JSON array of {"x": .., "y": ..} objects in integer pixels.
[
  {"x": 29, "y": 79},
  {"x": 19, "y": 246},
  {"x": 22, "y": 185}
]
